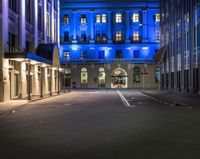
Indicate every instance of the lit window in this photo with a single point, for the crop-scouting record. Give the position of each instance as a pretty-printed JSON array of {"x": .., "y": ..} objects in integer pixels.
[
  {"x": 104, "y": 38},
  {"x": 136, "y": 36},
  {"x": 118, "y": 36},
  {"x": 66, "y": 55},
  {"x": 83, "y": 19},
  {"x": 84, "y": 76},
  {"x": 66, "y": 19},
  {"x": 118, "y": 18},
  {"x": 157, "y": 17},
  {"x": 135, "y": 17},
  {"x": 104, "y": 18},
  {"x": 98, "y": 18}
]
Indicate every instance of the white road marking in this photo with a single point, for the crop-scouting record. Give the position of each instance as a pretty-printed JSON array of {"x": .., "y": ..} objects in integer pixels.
[{"x": 126, "y": 103}]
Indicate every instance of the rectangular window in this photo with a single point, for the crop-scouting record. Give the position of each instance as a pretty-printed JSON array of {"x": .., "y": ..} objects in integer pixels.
[
  {"x": 157, "y": 17},
  {"x": 136, "y": 36},
  {"x": 119, "y": 54},
  {"x": 40, "y": 15},
  {"x": 101, "y": 54},
  {"x": 104, "y": 18},
  {"x": 66, "y": 37},
  {"x": 83, "y": 54},
  {"x": 11, "y": 42},
  {"x": 13, "y": 5},
  {"x": 83, "y": 18},
  {"x": 83, "y": 37},
  {"x": 118, "y": 18},
  {"x": 66, "y": 19},
  {"x": 104, "y": 38},
  {"x": 66, "y": 55},
  {"x": 135, "y": 17},
  {"x": 118, "y": 36},
  {"x": 28, "y": 11},
  {"x": 98, "y": 37},
  {"x": 98, "y": 18}
]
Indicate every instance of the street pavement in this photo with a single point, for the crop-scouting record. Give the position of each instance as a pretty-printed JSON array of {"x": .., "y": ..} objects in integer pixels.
[{"x": 100, "y": 124}]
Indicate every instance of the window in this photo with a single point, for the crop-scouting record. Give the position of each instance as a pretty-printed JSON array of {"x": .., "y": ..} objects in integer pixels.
[
  {"x": 104, "y": 18},
  {"x": 136, "y": 54},
  {"x": 28, "y": 11},
  {"x": 118, "y": 36},
  {"x": 83, "y": 37},
  {"x": 98, "y": 18},
  {"x": 98, "y": 37},
  {"x": 66, "y": 37},
  {"x": 119, "y": 54},
  {"x": 40, "y": 15},
  {"x": 101, "y": 54},
  {"x": 83, "y": 54},
  {"x": 66, "y": 55},
  {"x": 66, "y": 19},
  {"x": 157, "y": 74},
  {"x": 135, "y": 17},
  {"x": 13, "y": 5},
  {"x": 11, "y": 42},
  {"x": 84, "y": 76},
  {"x": 83, "y": 18},
  {"x": 157, "y": 17},
  {"x": 136, "y": 36},
  {"x": 104, "y": 38},
  {"x": 48, "y": 20},
  {"x": 118, "y": 17},
  {"x": 136, "y": 75},
  {"x": 102, "y": 77}
]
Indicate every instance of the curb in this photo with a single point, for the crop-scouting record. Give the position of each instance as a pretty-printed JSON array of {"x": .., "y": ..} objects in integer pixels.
[{"x": 165, "y": 101}]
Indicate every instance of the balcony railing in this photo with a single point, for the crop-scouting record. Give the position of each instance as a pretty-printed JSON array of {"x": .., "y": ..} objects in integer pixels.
[{"x": 132, "y": 60}]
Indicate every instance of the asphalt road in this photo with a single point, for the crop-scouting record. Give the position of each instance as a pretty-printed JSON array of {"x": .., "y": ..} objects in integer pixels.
[{"x": 100, "y": 124}]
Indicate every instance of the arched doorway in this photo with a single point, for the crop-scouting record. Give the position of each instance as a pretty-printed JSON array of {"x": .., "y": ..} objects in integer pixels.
[{"x": 119, "y": 78}]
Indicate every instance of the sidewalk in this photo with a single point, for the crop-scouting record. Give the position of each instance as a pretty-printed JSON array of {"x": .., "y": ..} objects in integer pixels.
[
  {"x": 10, "y": 106},
  {"x": 175, "y": 99}
]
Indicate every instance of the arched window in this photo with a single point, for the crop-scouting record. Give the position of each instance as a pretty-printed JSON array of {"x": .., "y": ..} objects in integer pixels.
[
  {"x": 102, "y": 76},
  {"x": 84, "y": 76},
  {"x": 136, "y": 75}
]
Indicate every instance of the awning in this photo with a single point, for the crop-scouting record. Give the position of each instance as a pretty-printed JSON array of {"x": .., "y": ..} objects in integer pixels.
[
  {"x": 50, "y": 52},
  {"x": 26, "y": 57},
  {"x": 160, "y": 53}
]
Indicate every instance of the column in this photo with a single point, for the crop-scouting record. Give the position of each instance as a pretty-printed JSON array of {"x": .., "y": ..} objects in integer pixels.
[
  {"x": 58, "y": 22},
  {"x": 4, "y": 70},
  {"x": 110, "y": 27},
  {"x": 23, "y": 81},
  {"x": 22, "y": 25},
  {"x": 74, "y": 26},
  {"x": 144, "y": 26},
  {"x": 35, "y": 24},
  {"x": 127, "y": 27},
  {"x": 92, "y": 41},
  {"x": 45, "y": 21},
  {"x": 52, "y": 21}
]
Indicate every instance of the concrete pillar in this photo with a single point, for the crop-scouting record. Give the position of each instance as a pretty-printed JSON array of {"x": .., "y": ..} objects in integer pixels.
[
  {"x": 22, "y": 25},
  {"x": 35, "y": 24},
  {"x": 35, "y": 82},
  {"x": 23, "y": 81},
  {"x": 74, "y": 24},
  {"x": 4, "y": 64},
  {"x": 127, "y": 27},
  {"x": 109, "y": 27},
  {"x": 92, "y": 41}
]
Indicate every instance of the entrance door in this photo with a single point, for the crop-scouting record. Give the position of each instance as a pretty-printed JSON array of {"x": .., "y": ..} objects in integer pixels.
[
  {"x": 119, "y": 78},
  {"x": 16, "y": 86}
]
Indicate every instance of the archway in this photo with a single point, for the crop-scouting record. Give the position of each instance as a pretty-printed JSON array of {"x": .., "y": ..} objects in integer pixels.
[{"x": 119, "y": 78}]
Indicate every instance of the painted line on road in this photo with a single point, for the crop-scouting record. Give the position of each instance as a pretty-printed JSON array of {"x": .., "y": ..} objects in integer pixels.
[{"x": 126, "y": 103}]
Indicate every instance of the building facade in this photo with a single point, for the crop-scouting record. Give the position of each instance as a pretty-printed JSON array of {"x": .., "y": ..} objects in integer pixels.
[
  {"x": 24, "y": 25},
  {"x": 180, "y": 45},
  {"x": 110, "y": 44}
]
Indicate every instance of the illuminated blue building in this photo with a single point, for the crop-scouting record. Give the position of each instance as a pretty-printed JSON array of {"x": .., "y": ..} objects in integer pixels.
[{"x": 110, "y": 44}]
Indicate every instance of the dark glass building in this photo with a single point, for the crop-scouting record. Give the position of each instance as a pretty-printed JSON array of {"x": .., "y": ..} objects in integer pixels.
[{"x": 180, "y": 45}]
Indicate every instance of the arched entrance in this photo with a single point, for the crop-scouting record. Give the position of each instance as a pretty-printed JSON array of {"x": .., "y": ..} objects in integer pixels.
[{"x": 119, "y": 78}]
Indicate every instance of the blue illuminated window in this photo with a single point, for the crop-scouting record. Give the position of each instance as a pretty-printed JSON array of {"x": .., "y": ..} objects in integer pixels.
[
  {"x": 66, "y": 54},
  {"x": 104, "y": 18},
  {"x": 119, "y": 54},
  {"x": 83, "y": 54},
  {"x": 66, "y": 19},
  {"x": 135, "y": 17},
  {"x": 83, "y": 18},
  {"x": 101, "y": 54},
  {"x": 136, "y": 54},
  {"x": 66, "y": 36},
  {"x": 118, "y": 36},
  {"x": 98, "y": 18}
]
